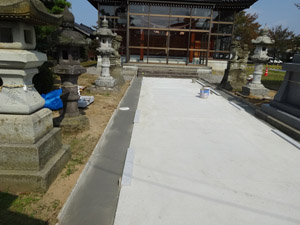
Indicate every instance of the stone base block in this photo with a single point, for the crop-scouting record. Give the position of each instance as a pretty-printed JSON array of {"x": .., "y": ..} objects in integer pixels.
[
  {"x": 18, "y": 101},
  {"x": 286, "y": 107},
  {"x": 279, "y": 124},
  {"x": 108, "y": 82},
  {"x": 30, "y": 157},
  {"x": 285, "y": 117},
  {"x": 102, "y": 90},
  {"x": 257, "y": 90},
  {"x": 31, "y": 151},
  {"x": 25, "y": 129},
  {"x": 72, "y": 124},
  {"x": 116, "y": 73},
  {"x": 27, "y": 181}
]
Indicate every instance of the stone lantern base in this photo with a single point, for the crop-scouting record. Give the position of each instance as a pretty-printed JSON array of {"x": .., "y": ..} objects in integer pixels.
[
  {"x": 31, "y": 151},
  {"x": 106, "y": 82},
  {"x": 257, "y": 90},
  {"x": 117, "y": 73},
  {"x": 233, "y": 79}
]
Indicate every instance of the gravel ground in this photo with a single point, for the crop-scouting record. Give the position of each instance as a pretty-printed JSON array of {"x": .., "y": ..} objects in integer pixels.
[
  {"x": 93, "y": 70},
  {"x": 212, "y": 79}
]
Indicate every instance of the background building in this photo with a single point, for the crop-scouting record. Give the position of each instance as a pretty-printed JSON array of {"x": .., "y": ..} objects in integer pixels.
[{"x": 179, "y": 32}]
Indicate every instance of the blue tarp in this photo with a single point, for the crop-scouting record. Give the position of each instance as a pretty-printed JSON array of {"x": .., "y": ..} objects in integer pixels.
[{"x": 52, "y": 100}]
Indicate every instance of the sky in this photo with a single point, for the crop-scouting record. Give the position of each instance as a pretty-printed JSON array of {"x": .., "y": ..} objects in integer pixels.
[
  {"x": 270, "y": 13},
  {"x": 277, "y": 12}
]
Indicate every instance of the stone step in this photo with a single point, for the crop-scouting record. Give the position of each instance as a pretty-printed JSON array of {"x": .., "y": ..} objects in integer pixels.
[
  {"x": 167, "y": 70},
  {"x": 171, "y": 75}
]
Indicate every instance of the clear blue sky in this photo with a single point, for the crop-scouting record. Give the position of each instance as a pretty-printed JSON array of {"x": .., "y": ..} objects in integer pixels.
[
  {"x": 270, "y": 12},
  {"x": 277, "y": 12}
]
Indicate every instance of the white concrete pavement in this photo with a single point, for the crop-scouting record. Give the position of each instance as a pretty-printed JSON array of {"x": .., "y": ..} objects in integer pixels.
[{"x": 203, "y": 161}]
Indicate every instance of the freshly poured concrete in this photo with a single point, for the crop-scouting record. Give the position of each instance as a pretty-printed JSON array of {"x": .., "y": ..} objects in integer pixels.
[{"x": 204, "y": 161}]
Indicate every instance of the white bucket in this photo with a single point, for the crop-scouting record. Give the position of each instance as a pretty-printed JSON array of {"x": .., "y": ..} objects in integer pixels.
[{"x": 204, "y": 92}]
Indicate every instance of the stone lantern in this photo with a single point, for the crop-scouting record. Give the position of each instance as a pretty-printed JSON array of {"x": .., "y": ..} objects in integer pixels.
[
  {"x": 31, "y": 152},
  {"x": 235, "y": 74},
  {"x": 284, "y": 111},
  {"x": 69, "y": 44},
  {"x": 105, "y": 35},
  {"x": 260, "y": 57}
]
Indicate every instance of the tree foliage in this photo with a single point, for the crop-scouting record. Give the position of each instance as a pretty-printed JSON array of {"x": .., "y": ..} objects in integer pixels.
[
  {"x": 43, "y": 81},
  {"x": 247, "y": 28},
  {"x": 284, "y": 40},
  {"x": 56, "y": 6},
  {"x": 43, "y": 33}
]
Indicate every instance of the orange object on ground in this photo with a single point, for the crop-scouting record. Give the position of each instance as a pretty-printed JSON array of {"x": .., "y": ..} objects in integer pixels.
[{"x": 266, "y": 72}]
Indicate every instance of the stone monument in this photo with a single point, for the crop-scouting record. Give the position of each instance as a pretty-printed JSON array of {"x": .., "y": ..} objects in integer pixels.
[
  {"x": 116, "y": 69},
  {"x": 260, "y": 57},
  {"x": 115, "y": 58},
  {"x": 235, "y": 75},
  {"x": 286, "y": 104},
  {"x": 69, "y": 43},
  {"x": 105, "y": 80},
  {"x": 31, "y": 151}
]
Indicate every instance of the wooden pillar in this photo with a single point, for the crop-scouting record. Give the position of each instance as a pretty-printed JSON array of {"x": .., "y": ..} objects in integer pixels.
[
  {"x": 209, "y": 36},
  {"x": 189, "y": 39},
  {"x": 127, "y": 34},
  {"x": 142, "y": 45},
  {"x": 192, "y": 45}
]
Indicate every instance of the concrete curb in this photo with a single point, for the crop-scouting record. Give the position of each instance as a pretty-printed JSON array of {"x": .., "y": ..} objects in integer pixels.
[
  {"x": 259, "y": 114},
  {"x": 236, "y": 98},
  {"x": 101, "y": 153}
]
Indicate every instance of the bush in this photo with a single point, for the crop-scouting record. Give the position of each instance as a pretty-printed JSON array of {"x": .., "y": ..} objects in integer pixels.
[{"x": 43, "y": 81}]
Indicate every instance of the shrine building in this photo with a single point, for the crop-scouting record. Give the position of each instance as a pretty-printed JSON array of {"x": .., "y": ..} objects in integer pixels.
[{"x": 187, "y": 32}]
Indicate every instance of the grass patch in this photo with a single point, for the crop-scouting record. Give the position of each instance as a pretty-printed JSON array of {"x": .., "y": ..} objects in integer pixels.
[
  {"x": 80, "y": 150},
  {"x": 13, "y": 209},
  {"x": 88, "y": 63},
  {"x": 24, "y": 201},
  {"x": 276, "y": 67},
  {"x": 273, "y": 80}
]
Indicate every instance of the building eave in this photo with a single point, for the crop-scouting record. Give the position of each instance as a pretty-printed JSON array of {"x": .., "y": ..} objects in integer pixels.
[{"x": 217, "y": 4}]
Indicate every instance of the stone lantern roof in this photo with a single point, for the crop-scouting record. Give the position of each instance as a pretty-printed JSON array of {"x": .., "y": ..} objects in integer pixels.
[
  {"x": 104, "y": 31},
  {"x": 263, "y": 38},
  {"x": 67, "y": 36},
  {"x": 28, "y": 11}
]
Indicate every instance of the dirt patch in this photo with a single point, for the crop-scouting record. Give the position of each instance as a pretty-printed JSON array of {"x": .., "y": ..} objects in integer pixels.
[
  {"x": 257, "y": 101},
  {"x": 44, "y": 208}
]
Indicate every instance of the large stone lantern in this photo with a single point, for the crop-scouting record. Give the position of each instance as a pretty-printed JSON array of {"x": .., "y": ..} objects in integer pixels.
[
  {"x": 260, "y": 57},
  {"x": 105, "y": 35},
  {"x": 31, "y": 152},
  {"x": 69, "y": 44}
]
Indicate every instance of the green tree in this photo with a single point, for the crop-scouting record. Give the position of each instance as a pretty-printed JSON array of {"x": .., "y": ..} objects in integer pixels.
[
  {"x": 283, "y": 38},
  {"x": 43, "y": 81},
  {"x": 295, "y": 48},
  {"x": 92, "y": 48},
  {"x": 56, "y": 6},
  {"x": 247, "y": 28},
  {"x": 44, "y": 32}
]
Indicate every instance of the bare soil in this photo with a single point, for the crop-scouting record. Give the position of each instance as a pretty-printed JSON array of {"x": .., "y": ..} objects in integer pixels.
[
  {"x": 257, "y": 101},
  {"x": 44, "y": 207}
]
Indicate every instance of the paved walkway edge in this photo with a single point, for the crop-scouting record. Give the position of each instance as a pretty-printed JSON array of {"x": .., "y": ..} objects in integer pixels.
[{"x": 130, "y": 98}]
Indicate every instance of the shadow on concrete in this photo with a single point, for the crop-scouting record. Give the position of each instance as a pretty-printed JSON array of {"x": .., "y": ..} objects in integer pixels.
[
  {"x": 232, "y": 204},
  {"x": 8, "y": 217}
]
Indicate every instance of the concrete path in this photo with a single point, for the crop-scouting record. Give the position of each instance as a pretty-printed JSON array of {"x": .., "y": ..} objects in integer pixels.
[
  {"x": 95, "y": 196},
  {"x": 205, "y": 162}
]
